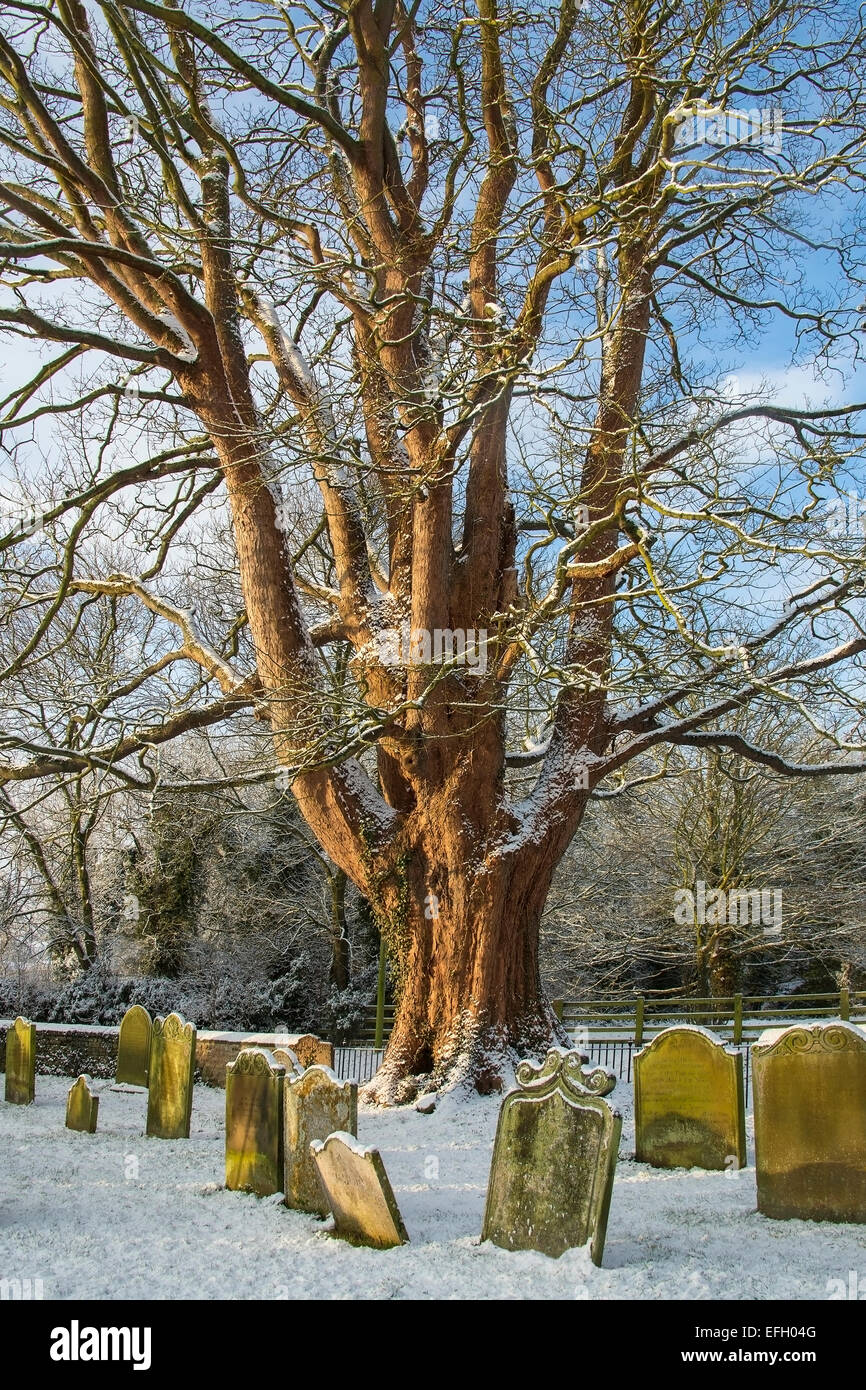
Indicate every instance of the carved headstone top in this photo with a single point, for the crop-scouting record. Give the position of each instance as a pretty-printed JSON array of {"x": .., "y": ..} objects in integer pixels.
[{"x": 565, "y": 1069}]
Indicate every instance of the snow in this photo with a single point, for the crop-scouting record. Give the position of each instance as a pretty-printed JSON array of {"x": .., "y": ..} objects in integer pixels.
[
  {"x": 188, "y": 352},
  {"x": 115, "y": 1215}
]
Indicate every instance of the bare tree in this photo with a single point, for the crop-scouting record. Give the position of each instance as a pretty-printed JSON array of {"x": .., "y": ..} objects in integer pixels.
[{"x": 467, "y": 272}]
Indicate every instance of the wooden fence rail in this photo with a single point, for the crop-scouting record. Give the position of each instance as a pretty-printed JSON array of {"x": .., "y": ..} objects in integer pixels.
[{"x": 737, "y": 1017}]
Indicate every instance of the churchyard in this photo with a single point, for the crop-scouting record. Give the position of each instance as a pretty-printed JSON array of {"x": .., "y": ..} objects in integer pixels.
[{"x": 284, "y": 1186}]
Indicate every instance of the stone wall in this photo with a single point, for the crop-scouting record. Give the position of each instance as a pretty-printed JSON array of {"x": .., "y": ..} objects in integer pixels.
[
  {"x": 68, "y": 1049},
  {"x": 214, "y": 1051}
]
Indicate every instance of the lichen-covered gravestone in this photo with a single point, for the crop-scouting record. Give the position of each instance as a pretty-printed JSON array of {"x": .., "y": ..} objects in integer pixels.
[
  {"x": 316, "y": 1104},
  {"x": 809, "y": 1084},
  {"x": 21, "y": 1062},
  {"x": 359, "y": 1192},
  {"x": 285, "y": 1057},
  {"x": 254, "y": 1123},
  {"x": 554, "y": 1159},
  {"x": 170, "y": 1077},
  {"x": 689, "y": 1105},
  {"x": 82, "y": 1106},
  {"x": 133, "y": 1047}
]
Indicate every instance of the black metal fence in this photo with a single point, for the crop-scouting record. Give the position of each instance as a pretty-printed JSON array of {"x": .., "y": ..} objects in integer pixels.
[
  {"x": 617, "y": 1054},
  {"x": 357, "y": 1063}
]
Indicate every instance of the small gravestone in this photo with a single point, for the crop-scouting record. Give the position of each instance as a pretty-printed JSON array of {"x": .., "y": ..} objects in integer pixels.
[
  {"x": 359, "y": 1192},
  {"x": 133, "y": 1047},
  {"x": 316, "y": 1104},
  {"x": 310, "y": 1050},
  {"x": 82, "y": 1107},
  {"x": 809, "y": 1084},
  {"x": 170, "y": 1078},
  {"x": 688, "y": 1098},
  {"x": 285, "y": 1057},
  {"x": 553, "y": 1159},
  {"x": 254, "y": 1123},
  {"x": 21, "y": 1062}
]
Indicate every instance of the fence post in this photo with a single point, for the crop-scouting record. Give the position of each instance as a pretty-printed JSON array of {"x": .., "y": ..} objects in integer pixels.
[
  {"x": 844, "y": 1004},
  {"x": 738, "y": 1018},
  {"x": 638, "y": 1020},
  {"x": 556, "y": 1005},
  {"x": 380, "y": 994}
]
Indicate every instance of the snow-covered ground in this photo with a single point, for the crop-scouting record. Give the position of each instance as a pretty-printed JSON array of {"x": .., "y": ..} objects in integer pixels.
[{"x": 116, "y": 1215}]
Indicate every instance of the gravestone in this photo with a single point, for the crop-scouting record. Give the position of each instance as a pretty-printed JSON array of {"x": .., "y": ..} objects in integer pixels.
[
  {"x": 82, "y": 1107},
  {"x": 254, "y": 1123},
  {"x": 316, "y": 1104},
  {"x": 553, "y": 1159},
  {"x": 809, "y": 1085},
  {"x": 21, "y": 1062},
  {"x": 359, "y": 1192},
  {"x": 285, "y": 1057},
  {"x": 311, "y": 1051},
  {"x": 689, "y": 1102},
  {"x": 133, "y": 1047},
  {"x": 170, "y": 1078}
]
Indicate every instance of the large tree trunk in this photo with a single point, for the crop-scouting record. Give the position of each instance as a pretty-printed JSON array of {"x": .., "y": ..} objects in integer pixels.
[
  {"x": 469, "y": 990},
  {"x": 461, "y": 909}
]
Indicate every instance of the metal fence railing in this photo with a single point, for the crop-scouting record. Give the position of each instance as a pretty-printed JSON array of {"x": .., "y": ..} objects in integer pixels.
[
  {"x": 357, "y": 1063},
  {"x": 617, "y": 1055},
  {"x": 360, "y": 1064}
]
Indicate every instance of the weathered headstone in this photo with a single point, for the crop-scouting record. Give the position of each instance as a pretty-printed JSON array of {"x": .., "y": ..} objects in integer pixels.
[
  {"x": 809, "y": 1084},
  {"x": 133, "y": 1047},
  {"x": 254, "y": 1123},
  {"x": 311, "y": 1051},
  {"x": 170, "y": 1078},
  {"x": 553, "y": 1159},
  {"x": 21, "y": 1062},
  {"x": 316, "y": 1104},
  {"x": 285, "y": 1057},
  {"x": 359, "y": 1192},
  {"x": 689, "y": 1102},
  {"x": 82, "y": 1106}
]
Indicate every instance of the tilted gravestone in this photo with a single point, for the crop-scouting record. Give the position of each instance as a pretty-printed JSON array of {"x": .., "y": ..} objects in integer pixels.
[
  {"x": 21, "y": 1062},
  {"x": 254, "y": 1123},
  {"x": 82, "y": 1107},
  {"x": 133, "y": 1047},
  {"x": 170, "y": 1078},
  {"x": 689, "y": 1102},
  {"x": 553, "y": 1159},
  {"x": 359, "y": 1192},
  {"x": 285, "y": 1057},
  {"x": 809, "y": 1085},
  {"x": 316, "y": 1104}
]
